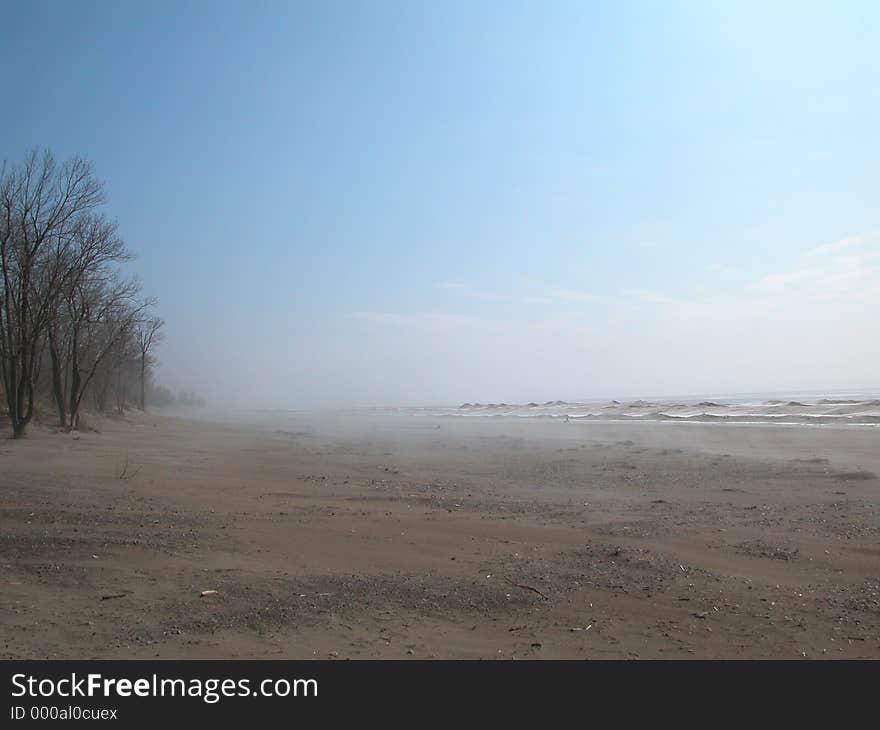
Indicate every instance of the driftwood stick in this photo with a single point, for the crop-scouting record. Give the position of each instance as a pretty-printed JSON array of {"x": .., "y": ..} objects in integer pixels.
[
  {"x": 527, "y": 588},
  {"x": 125, "y": 473}
]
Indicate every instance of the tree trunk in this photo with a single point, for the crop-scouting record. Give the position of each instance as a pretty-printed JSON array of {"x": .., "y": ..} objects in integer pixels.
[
  {"x": 74, "y": 395},
  {"x": 57, "y": 382},
  {"x": 143, "y": 381},
  {"x": 21, "y": 416}
]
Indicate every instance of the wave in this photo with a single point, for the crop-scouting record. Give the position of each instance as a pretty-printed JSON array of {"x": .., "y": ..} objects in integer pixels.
[{"x": 777, "y": 410}]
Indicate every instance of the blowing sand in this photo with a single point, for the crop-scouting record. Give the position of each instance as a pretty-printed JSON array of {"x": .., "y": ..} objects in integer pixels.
[{"x": 401, "y": 537}]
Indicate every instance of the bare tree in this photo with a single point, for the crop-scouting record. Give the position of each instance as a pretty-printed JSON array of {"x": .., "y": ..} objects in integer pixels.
[
  {"x": 64, "y": 302},
  {"x": 41, "y": 205},
  {"x": 104, "y": 317},
  {"x": 90, "y": 263},
  {"x": 147, "y": 334}
]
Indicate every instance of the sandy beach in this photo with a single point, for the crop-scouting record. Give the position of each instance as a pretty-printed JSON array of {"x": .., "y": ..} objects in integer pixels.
[{"x": 363, "y": 535}]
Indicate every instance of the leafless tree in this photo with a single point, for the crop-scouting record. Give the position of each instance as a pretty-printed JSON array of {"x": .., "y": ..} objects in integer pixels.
[
  {"x": 41, "y": 206},
  {"x": 89, "y": 293},
  {"x": 65, "y": 306},
  {"x": 105, "y": 317},
  {"x": 147, "y": 334}
]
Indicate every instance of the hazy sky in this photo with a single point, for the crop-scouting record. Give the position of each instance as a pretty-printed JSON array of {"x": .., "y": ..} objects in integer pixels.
[{"x": 418, "y": 203}]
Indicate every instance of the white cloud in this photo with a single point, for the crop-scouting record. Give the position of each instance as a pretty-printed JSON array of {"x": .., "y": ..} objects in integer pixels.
[
  {"x": 648, "y": 296},
  {"x": 572, "y": 295},
  {"x": 845, "y": 269},
  {"x": 782, "y": 280},
  {"x": 844, "y": 243},
  {"x": 542, "y": 294},
  {"x": 420, "y": 320}
]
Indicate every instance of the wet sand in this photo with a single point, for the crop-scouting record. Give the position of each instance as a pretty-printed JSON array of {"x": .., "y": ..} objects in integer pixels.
[{"x": 338, "y": 536}]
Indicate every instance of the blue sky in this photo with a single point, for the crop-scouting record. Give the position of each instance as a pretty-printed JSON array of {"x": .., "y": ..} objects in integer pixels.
[{"x": 385, "y": 203}]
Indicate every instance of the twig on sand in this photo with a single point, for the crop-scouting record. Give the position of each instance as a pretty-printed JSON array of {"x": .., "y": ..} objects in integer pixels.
[
  {"x": 527, "y": 588},
  {"x": 113, "y": 595},
  {"x": 124, "y": 473}
]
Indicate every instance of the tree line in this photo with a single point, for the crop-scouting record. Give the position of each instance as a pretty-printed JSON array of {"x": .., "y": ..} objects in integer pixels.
[{"x": 74, "y": 329}]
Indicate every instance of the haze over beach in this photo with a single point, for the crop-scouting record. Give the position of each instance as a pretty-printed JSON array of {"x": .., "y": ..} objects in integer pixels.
[{"x": 467, "y": 330}]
